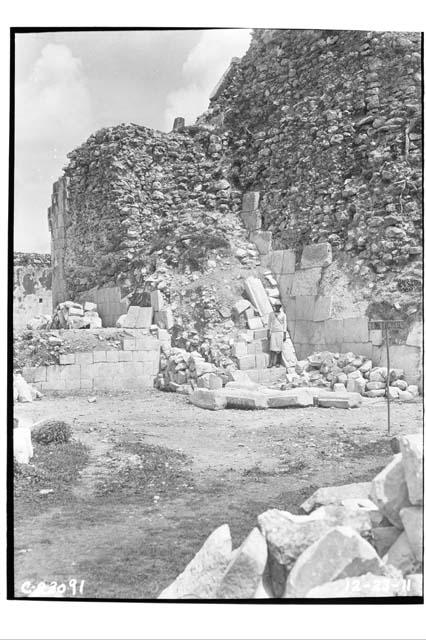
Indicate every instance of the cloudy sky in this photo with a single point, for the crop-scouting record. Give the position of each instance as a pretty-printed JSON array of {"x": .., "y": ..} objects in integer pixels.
[{"x": 69, "y": 85}]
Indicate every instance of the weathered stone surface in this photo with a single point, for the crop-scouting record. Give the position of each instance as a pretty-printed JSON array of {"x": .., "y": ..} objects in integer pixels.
[
  {"x": 306, "y": 281},
  {"x": 340, "y": 553},
  {"x": 389, "y": 491},
  {"x": 322, "y": 308},
  {"x": 202, "y": 576},
  {"x": 383, "y": 538},
  {"x": 366, "y": 586},
  {"x": 250, "y": 201},
  {"x": 206, "y": 399},
  {"x": 243, "y": 398},
  {"x": 316, "y": 255},
  {"x": 262, "y": 240},
  {"x": 400, "y": 555},
  {"x": 344, "y": 401},
  {"x": 289, "y": 398},
  {"x": 210, "y": 381},
  {"x": 244, "y": 573},
  {"x": 258, "y": 296},
  {"x": 412, "y": 519},
  {"x": 412, "y": 462}
]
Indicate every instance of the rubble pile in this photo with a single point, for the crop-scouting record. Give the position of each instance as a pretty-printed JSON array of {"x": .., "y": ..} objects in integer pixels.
[
  {"x": 327, "y": 126},
  {"x": 182, "y": 372},
  {"x": 356, "y": 540},
  {"x": 72, "y": 315}
]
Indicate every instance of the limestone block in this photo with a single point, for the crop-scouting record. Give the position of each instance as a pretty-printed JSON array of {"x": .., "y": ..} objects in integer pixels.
[
  {"x": 241, "y": 305},
  {"x": 260, "y": 334},
  {"x": 132, "y": 317},
  {"x": 344, "y": 401},
  {"x": 239, "y": 349},
  {"x": 414, "y": 584},
  {"x": 202, "y": 576},
  {"x": 303, "y": 332},
  {"x": 262, "y": 240},
  {"x": 305, "y": 307},
  {"x": 22, "y": 445},
  {"x": 401, "y": 556},
  {"x": 376, "y": 337},
  {"x": 255, "y": 323},
  {"x": 124, "y": 356},
  {"x": 90, "y": 306},
  {"x": 243, "y": 575},
  {"x": 316, "y": 255},
  {"x": 210, "y": 381},
  {"x": 338, "y": 554},
  {"x": 356, "y": 385},
  {"x": 243, "y": 398},
  {"x": 412, "y": 461},
  {"x": 285, "y": 284},
  {"x": 415, "y": 336},
  {"x": 35, "y": 374},
  {"x": 333, "y": 331},
  {"x": 206, "y": 399},
  {"x": 383, "y": 538},
  {"x": 317, "y": 337},
  {"x": 85, "y": 357},
  {"x": 322, "y": 308},
  {"x": 289, "y": 305},
  {"x": 86, "y": 384},
  {"x": 306, "y": 281},
  {"x": 288, "y": 354},
  {"x": 258, "y": 295},
  {"x": 68, "y": 358},
  {"x": 412, "y": 519},
  {"x": 355, "y": 329},
  {"x": 157, "y": 300},
  {"x": 146, "y": 343},
  {"x": 112, "y": 356},
  {"x": 364, "y": 586},
  {"x": 334, "y": 495},
  {"x": 144, "y": 318},
  {"x": 128, "y": 344},
  {"x": 389, "y": 490},
  {"x": 262, "y": 360},
  {"x": 250, "y": 201},
  {"x": 252, "y": 220},
  {"x": 288, "y": 398}
]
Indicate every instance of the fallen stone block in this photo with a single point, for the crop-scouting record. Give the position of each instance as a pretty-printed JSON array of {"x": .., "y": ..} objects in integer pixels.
[
  {"x": 393, "y": 393},
  {"x": 90, "y": 306},
  {"x": 373, "y": 386},
  {"x": 316, "y": 255},
  {"x": 413, "y": 389},
  {"x": 383, "y": 538},
  {"x": 157, "y": 300},
  {"x": 340, "y": 388},
  {"x": 344, "y": 401},
  {"x": 243, "y": 575},
  {"x": 412, "y": 461},
  {"x": 258, "y": 296},
  {"x": 246, "y": 362},
  {"x": 335, "y": 495},
  {"x": 262, "y": 240},
  {"x": 340, "y": 553},
  {"x": 207, "y": 399},
  {"x": 255, "y": 323},
  {"x": 412, "y": 519},
  {"x": 202, "y": 576},
  {"x": 243, "y": 398},
  {"x": 209, "y": 381},
  {"x": 239, "y": 349},
  {"x": 250, "y": 201},
  {"x": 239, "y": 376},
  {"x": 401, "y": 556},
  {"x": 389, "y": 491},
  {"x": 241, "y": 305},
  {"x": 289, "y": 398},
  {"x": 376, "y": 393},
  {"x": 368, "y": 585},
  {"x": 306, "y": 281}
]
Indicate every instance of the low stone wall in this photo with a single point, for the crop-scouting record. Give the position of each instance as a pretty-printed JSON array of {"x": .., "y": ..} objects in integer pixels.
[{"x": 134, "y": 366}]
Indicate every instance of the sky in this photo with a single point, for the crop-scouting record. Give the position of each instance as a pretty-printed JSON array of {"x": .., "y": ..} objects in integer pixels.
[{"x": 69, "y": 85}]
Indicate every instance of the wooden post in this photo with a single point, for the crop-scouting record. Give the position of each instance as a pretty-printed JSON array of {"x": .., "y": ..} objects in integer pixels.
[{"x": 388, "y": 375}]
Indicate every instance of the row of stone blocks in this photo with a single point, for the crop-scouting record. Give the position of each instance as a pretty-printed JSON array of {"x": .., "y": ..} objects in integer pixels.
[{"x": 332, "y": 330}]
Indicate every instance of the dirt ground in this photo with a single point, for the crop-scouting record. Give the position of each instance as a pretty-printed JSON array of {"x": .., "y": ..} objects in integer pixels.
[{"x": 132, "y": 545}]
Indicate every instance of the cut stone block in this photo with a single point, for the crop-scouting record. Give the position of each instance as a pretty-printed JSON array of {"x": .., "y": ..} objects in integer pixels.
[
  {"x": 344, "y": 401},
  {"x": 333, "y": 331},
  {"x": 132, "y": 317},
  {"x": 252, "y": 220},
  {"x": 85, "y": 357},
  {"x": 305, "y": 307},
  {"x": 163, "y": 318},
  {"x": 255, "y": 323},
  {"x": 376, "y": 337},
  {"x": 306, "y": 282},
  {"x": 260, "y": 334},
  {"x": 412, "y": 519},
  {"x": 262, "y": 240},
  {"x": 316, "y": 255},
  {"x": 209, "y": 381},
  {"x": 322, "y": 308},
  {"x": 414, "y": 584},
  {"x": 365, "y": 586},
  {"x": 334, "y": 495},
  {"x": 356, "y": 385},
  {"x": 401, "y": 555},
  {"x": 389, "y": 491},
  {"x": 285, "y": 284},
  {"x": 340, "y": 553},
  {"x": 246, "y": 362},
  {"x": 202, "y": 576},
  {"x": 262, "y": 360},
  {"x": 355, "y": 329},
  {"x": 383, "y": 538},
  {"x": 206, "y": 399},
  {"x": 243, "y": 398},
  {"x": 250, "y": 201},
  {"x": 90, "y": 306},
  {"x": 243, "y": 575},
  {"x": 239, "y": 349},
  {"x": 258, "y": 295},
  {"x": 241, "y": 305},
  {"x": 412, "y": 461},
  {"x": 67, "y": 358},
  {"x": 289, "y": 398},
  {"x": 157, "y": 300},
  {"x": 288, "y": 354}
]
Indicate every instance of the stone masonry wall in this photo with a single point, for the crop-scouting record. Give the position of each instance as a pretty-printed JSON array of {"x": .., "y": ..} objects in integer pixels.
[
  {"x": 32, "y": 287},
  {"x": 327, "y": 126}
]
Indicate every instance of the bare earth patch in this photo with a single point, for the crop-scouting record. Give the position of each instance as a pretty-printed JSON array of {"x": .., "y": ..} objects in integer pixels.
[{"x": 160, "y": 474}]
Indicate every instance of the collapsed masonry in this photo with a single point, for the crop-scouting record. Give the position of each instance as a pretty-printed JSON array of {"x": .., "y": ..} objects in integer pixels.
[{"x": 311, "y": 140}]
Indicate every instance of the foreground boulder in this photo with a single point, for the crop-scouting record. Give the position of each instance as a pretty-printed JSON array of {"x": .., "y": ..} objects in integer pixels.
[
  {"x": 412, "y": 519},
  {"x": 389, "y": 491},
  {"x": 340, "y": 553},
  {"x": 401, "y": 555},
  {"x": 206, "y": 399},
  {"x": 383, "y": 538},
  {"x": 368, "y": 585},
  {"x": 412, "y": 461},
  {"x": 335, "y": 495},
  {"x": 244, "y": 573},
  {"x": 202, "y": 576}
]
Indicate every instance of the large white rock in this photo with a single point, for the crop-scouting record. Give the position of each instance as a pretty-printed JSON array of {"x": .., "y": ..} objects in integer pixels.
[
  {"x": 207, "y": 399},
  {"x": 412, "y": 519},
  {"x": 334, "y": 495},
  {"x": 22, "y": 445},
  {"x": 412, "y": 461},
  {"x": 401, "y": 556},
  {"x": 389, "y": 491},
  {"x": 244, "y": 573},
  {"x": 202, "y": 576},
  {"x": 366, "y": 586},
  {"x": 340, "y": 553},
  {"x": 288, "y": 398}
]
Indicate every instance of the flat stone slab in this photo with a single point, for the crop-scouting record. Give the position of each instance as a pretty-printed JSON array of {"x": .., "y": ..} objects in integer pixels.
[
  {"x": 258, "y": 295},
  {"x": 202, "y": 576},
  {"x": 207, "y": 399},
  {"x": 383, "y": 538},
  {"x": 289, "y": 398},
  {"x": 316, "y": 255},
  {"x": 242, "y": 398},
  {"x": 340, "y": 401},
  {"x": 335, "y": 495}
]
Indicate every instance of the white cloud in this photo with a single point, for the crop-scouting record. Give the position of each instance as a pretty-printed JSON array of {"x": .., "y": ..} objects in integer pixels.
[
  {"x": 202, "y": 70},
  {"x": 53, "y": 104}
]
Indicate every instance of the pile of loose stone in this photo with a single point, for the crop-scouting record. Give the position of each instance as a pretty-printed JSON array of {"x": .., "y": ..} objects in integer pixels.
[
  {"x": 69, "y": 315},
  {"x": 356, "y": 540}
]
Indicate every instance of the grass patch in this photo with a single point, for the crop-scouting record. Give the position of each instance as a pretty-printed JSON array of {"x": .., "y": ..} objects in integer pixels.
[{"x": 54, "y": 468}]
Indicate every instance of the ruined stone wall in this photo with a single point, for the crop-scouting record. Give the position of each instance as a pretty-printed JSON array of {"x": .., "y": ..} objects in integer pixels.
[
  {"x": 327, "y": 126},
  {"x": 32, "y": 287}
]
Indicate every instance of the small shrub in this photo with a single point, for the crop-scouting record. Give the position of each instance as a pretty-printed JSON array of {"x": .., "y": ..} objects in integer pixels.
[{"x": 52, "y": 432}]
